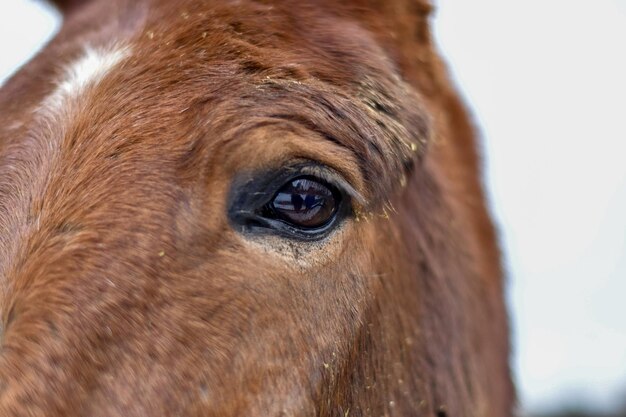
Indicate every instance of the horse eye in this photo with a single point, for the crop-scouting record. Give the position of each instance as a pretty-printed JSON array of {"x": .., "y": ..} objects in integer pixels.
[{"x": 305, "y": 203}]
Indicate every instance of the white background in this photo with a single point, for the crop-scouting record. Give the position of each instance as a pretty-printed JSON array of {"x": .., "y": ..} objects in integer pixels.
[{"x": 546, "y": 82}]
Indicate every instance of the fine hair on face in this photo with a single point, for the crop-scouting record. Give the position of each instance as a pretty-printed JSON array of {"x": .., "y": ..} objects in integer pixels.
[{"x": 245, "y": 208}]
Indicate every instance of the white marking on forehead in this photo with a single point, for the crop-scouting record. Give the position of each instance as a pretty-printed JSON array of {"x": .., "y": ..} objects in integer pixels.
[{"x": 85, "y": 72}]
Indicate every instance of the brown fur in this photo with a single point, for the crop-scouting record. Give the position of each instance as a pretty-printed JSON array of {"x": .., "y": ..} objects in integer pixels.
[{"x": 126, "y": 292}]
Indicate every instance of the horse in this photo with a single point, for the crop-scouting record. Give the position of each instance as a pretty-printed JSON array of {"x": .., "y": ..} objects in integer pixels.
[{"x": 245, "y": 208}]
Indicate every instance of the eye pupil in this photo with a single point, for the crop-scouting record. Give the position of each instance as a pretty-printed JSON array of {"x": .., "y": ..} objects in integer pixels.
[{"x": 305, "y": 202}]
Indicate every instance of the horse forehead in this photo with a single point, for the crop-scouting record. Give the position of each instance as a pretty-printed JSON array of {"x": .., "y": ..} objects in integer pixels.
[{"x": 26, "y": 164}]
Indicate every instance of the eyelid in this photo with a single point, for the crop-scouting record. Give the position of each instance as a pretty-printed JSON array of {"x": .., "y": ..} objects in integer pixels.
[{"x": 334, "y": 179}]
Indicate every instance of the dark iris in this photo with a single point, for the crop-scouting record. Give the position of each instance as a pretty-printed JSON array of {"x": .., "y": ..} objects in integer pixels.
[{"x": 305, "y": 202}]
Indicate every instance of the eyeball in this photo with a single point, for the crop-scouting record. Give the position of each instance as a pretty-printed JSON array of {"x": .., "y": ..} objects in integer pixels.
[{"x": 305, "y": 203}]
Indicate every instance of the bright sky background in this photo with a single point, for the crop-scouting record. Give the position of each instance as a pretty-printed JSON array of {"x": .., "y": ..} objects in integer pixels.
[{"x": 546, "y": 80}]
